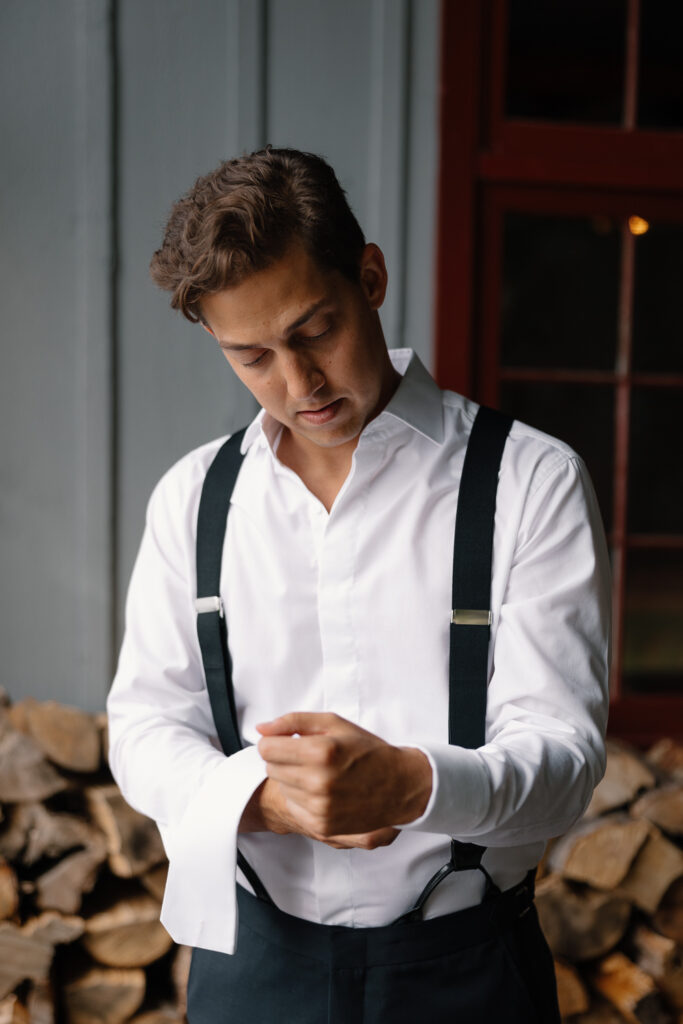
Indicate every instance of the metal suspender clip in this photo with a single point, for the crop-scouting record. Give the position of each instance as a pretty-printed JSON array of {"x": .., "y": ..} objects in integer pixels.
[
  {"x": 471, "y": 617},
  {"x": 209, "y": 604}
]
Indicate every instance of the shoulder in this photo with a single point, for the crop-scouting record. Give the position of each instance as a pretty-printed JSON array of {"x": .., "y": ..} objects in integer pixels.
[
  {"x": 175, "y": 497},
  {"x": 530, "y": 457}
]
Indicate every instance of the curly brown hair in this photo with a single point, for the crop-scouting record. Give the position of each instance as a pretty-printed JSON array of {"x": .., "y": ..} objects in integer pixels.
[{"x": 243, "y": 216}]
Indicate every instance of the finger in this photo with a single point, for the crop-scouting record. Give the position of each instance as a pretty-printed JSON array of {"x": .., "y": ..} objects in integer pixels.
[
  {"x": 296, "y": 777},
  {"x": 303, "y": 722},
  {"x": 364, "y": 840},
  {"x": 293, "y": 749}
]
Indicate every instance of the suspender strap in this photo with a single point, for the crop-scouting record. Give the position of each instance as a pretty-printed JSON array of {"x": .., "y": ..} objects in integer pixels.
[
  {"x": 211, "y": 624},
  {"x": 472, "y": 557},
  {"x": 471, "y": 618}
]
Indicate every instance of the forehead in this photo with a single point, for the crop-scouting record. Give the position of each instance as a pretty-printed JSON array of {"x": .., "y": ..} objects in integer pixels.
[{"x": 266, "y": 304}]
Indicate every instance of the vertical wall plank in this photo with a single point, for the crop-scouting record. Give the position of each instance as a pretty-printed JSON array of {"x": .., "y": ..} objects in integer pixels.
[
  {"x": 179, "y": 118},
  {"x": 95, "y": 362},
  {"x": 251, "y": 70},
  {"x": 54, "y": 403},
  {"x": 388, "y": 152}
]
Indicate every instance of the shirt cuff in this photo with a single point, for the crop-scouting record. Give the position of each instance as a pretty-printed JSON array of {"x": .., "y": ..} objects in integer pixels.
[
  {"x": 199, "y": 906},
  {"x": 460, "y": 791}
]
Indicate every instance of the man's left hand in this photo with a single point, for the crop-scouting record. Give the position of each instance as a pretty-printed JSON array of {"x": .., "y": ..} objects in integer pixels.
[{"x": 339, "y": 779}]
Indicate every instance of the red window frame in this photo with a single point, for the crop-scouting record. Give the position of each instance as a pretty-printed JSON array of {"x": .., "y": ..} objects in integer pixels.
[{"x": 490, "y": 164}]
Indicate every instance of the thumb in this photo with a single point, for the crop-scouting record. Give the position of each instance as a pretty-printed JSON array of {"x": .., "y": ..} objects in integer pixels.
[{"x": 301, "y": 722}]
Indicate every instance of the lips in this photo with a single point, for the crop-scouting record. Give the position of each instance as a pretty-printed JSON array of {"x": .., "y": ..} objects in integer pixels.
[{"x": 322, "y": 415}]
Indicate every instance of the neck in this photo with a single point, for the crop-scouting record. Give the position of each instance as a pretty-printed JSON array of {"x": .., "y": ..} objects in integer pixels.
[{"x": 324, "y": 470}]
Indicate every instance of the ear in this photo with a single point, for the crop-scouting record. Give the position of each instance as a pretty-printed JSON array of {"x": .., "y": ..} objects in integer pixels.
[{"x": 373, "y": 275}]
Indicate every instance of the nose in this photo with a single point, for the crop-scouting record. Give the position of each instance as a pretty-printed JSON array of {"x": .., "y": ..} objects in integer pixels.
[{"x": 302, "y": 377}]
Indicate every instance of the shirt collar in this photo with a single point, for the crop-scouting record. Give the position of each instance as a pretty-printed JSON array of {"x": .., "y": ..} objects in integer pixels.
[{"x": 416, "y": 402}]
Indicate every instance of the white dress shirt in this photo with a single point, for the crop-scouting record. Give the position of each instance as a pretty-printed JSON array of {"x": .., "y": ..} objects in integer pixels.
[{"x": 350, "y": 612}]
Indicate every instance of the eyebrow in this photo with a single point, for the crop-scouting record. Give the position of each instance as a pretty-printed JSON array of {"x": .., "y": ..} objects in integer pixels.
[{"x": 299, "y": 322}]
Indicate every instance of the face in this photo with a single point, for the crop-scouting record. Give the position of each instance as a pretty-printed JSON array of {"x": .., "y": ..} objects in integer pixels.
[{"x": 308, "y": 344}]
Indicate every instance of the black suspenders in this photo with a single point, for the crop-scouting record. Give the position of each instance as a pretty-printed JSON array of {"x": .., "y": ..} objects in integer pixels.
[{"x": 470, "y": 615}]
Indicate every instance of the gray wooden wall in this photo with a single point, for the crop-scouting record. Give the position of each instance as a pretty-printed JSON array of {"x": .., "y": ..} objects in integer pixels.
[{"x": 110, "y": 110}]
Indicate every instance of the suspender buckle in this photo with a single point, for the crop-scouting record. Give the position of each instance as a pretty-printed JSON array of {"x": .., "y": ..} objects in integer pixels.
[
  {"x": 209, "y": 604},
  {"x": 471, "y": 616}
]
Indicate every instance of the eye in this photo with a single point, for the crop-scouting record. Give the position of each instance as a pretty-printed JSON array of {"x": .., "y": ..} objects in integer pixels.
[
  {"x": 315, "y": 337},
  {"x": 255, "y": 362}
]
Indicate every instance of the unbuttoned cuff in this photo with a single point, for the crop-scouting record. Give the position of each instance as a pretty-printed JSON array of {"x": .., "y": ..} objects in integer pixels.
[
  {"x": 199, "y": 907},
  {"x": 460, "y": 791}
]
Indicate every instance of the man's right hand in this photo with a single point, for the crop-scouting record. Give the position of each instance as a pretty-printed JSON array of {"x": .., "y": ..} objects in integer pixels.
[{"x": 267, "y": 812}]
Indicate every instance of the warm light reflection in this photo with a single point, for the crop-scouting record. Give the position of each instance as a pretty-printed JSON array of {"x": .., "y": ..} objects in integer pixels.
[{"x": 638, "y": 226}]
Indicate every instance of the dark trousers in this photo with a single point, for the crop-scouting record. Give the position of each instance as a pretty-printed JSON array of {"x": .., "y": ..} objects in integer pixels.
[{"x": 488, "y": 963}]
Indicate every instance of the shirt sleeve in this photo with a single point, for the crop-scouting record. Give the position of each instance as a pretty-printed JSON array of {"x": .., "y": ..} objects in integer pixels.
[
  {"x": 163, "y": 749},
  {"x": 547, "y": 696}
]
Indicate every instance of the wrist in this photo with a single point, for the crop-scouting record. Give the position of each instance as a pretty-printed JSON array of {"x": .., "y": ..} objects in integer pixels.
[
  {"x": 416, "y": 773},
  {"x": 261, "y": 813}
]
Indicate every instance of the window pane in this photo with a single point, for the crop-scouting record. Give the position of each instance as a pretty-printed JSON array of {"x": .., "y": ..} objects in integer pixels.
[
  {"x": 580, "y": 414},
  {"x": 660, "y": 88},
  {"x": 559, "y": 303},
  {"x": 658, "y": 310},
  {"x": 566, "y": 60},
  {"x": 653, "y": 622},
  {"x": 655, "y": 503}
]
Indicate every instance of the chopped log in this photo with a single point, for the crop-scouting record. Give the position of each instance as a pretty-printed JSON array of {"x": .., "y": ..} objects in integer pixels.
[
  {"x": 180, "y": 974},
  {"x": 25, "y": 774},
  {"x": 63, "y": 886},
  {"x": 101, "y": 720},
  {"x": 54, "y": 929},
  {"x": 129, "y": 934},
  {"x": 12, "y": 1011},
  {"x": 660, "y": 956},
  {"x": 599, "y": 852},
  {"x": 656, "y": 866},
  {"x": 40, "y": 1003},
  {"x": 17, "y": 716},
  {"x": 133, "y": 841},
  {"x": 655, "y": 952},
  {"x": 104, "y": 995},
  {"x": 580, "y": 926},
  {"x": 668, "y": 918},
  {"x": 600, "y": 1012},
  {"x": 155, "y": 881},
  {"x": 571, "y": 991},
  {"x": 630, "y": 990},
  {"x": 9, "y": 890},
  {"x": 663, "y": 807},
  {"x": 21, "y": 956},
  {"x": 163, "y": 1015},
  {"x": 625, "y": 775},
  {"x": 34, "y": 832},
  {"x": 67, "y": 736},
  {"x": 14, "y": 836},
  {"x": 666, "y": 757}
]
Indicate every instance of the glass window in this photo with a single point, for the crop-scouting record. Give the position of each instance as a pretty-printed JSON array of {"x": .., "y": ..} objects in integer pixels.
[
  {"x": 559, "y": 303},
  {"x": 566, "y": 60},
  {"x": 657, "y": 309},
  {"x": 655, "y": 500},
  {"x": 660, "y": 91},
  {"x": 580, "y": 414},
  {"x": 653, "y": 612}
]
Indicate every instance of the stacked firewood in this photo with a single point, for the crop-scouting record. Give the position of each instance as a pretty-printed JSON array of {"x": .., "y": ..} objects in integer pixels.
[
  {"x": 82, "y": 878},
  {"x": 610, "y": 895},
  {"x": 81, "y": 881}
]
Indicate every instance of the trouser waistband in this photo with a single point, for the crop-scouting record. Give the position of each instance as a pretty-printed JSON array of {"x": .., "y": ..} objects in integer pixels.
[{"x": 387, "y": 944}]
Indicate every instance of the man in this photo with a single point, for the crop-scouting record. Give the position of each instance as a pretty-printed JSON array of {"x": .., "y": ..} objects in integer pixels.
[{"x": 336, "y": 593}]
